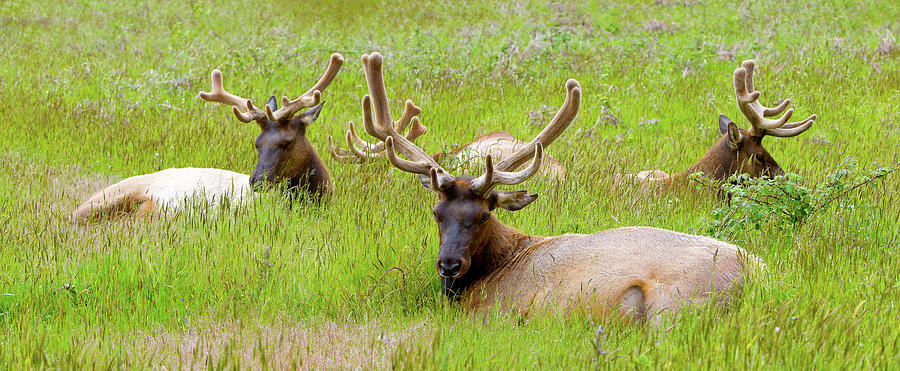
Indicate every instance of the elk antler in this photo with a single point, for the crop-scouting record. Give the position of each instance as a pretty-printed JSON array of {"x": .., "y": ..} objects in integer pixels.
[
  {"x": 500, "y": 175},
  {"x": 376, "y": 150},
  {"x": 381, "y": 126},
  {"x": 756, "y": 113},
  {"x": 311, "y": 97},
  {"x": 491, "y": 177},
  {"x": 557, "y": 125},
  {"x": 220, "y": 95},
  {"x": 245, "y": 110}
]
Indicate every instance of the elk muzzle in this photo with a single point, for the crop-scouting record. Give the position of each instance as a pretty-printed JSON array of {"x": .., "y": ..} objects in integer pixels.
[{"x": 452, "y": 265}]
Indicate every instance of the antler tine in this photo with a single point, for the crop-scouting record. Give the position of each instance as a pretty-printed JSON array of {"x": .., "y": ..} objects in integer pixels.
[
  {"x": 409, "y": 113},
  {"x": 557, "y": 125},
  {"x": 792, "y": 129},
  {"x": 312, "y": 96},
  {"x": 351, "y": 133},
  {"x": 748, "y": 102},
  {"x": 362, "y": 156},
  {"x": 340, "y": 154},
  {"x": 220, "y": 95},
  {"x": 378, "y": 123},
  {"x": 492, "y": 177},
  {"x": 415, "y": 131}
]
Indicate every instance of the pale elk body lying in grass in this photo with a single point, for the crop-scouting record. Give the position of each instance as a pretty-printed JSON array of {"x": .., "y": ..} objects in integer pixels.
[
  {"x": 639, "y": 271},
  {"x": 284, "y": 154},
  {"x": 738, "y": 150},
  {"x": 498, "y": 144}
]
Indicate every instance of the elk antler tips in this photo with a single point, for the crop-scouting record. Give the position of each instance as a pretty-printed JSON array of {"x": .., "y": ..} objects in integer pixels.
[
  {"x": 435, "y": 182},
  {"x": 373, "y": 58},
  {"x": 748, "y": 64},
  {"x": 413, "y": 108},
  {"x": 240, "y": 115},
  {"x": 349, "y": 138},
  {"x": 337, "y": 58},
  {"x": 270, "y": 114},
  {"x": 571, "y": 84},
  {"x": 417, "y": 127}
]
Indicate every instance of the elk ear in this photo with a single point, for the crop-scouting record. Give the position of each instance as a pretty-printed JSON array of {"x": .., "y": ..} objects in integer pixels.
[
  {"x": 426, "y": 181},
  {"x": 272, "y": 102},
  {"x": 511, "y": 200},
  {"x": 734, "y": 136},
  {"x": 310, "y": 116},
  {"x": 723, "y": 124}
]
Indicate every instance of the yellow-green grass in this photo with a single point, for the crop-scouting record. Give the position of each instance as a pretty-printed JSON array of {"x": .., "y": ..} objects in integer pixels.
[{"x": 97, "y": 91}]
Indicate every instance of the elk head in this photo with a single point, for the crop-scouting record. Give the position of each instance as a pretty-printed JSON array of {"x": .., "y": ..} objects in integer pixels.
[
  {"x": 741, "y": 151},
  {"x": 283, "y": 151},
  {"x": 463, "y": 213}
]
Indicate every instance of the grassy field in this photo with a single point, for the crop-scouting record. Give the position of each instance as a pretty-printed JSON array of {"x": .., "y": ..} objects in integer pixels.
[{"x": 96, "y": 91}]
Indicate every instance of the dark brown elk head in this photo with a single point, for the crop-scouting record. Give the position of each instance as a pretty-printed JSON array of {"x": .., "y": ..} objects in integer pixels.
[
  {"x": 464, "y": 211},
  {"x": 283, "y": 151},
  {"x": 741, "y": 151}
]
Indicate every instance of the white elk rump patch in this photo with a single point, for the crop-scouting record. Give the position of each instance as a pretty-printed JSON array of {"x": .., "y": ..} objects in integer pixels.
[{"x": 176, "y": 189}]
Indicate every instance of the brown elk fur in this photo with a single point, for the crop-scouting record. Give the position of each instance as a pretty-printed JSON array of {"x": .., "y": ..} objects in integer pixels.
[
  {"x": 738, "y": 150},
  {"x": 283, "y": 154},
  {"x": 639, "y": 271},
  {"x": 735, "y": 152}
]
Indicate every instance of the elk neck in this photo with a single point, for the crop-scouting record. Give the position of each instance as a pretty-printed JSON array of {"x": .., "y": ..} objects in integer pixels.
[
  {"x": 717, "y": 163},
  {"x": 314, "y": 179}
]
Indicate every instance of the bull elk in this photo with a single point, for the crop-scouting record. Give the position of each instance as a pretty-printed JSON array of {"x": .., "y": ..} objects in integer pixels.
[
  {"x": 498, "y": 144},
  {"x": 486, "y": 264},
  {"x": 284, "y": 153},
  {"x": 738, "y": 150}
]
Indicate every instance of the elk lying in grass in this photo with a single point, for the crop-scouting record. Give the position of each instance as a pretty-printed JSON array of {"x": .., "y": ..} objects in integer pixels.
[
  {"x": 738, "y": 150},
  {"x": 638, "y": 270},
  {"x": 498, "y": 144},
  {"x": 284, "y": 153}
]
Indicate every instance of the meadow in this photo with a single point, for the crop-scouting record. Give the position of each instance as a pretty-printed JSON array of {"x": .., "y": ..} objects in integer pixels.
[{"x": 96, "y": 91}]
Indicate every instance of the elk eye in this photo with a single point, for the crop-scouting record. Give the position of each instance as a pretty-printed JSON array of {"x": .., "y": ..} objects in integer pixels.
[
  {"x": 484, "y": 218},
  {"x": 287, "y": 143},
  {"x": 436, "y": 217}
]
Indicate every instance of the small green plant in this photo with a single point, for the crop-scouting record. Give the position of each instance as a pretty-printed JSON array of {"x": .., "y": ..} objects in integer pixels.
[{"x": 782, "y": 202}]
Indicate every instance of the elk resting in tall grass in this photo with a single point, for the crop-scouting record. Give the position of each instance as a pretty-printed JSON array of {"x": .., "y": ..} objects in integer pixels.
[
  {"x": 638, "y": 271},
  {"x": 738, "y": 150},
  {"x": 284, "y": 154},
  {"x": 498, "y": 144}
]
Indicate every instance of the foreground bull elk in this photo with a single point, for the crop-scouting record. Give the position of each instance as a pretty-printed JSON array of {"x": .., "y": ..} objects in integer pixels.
[
  {"x": 284, "y": 153},
  {"x": 638, "y": 270},
  {"x": 738, "y": 150},
  {"x": 498, "y": 144}
]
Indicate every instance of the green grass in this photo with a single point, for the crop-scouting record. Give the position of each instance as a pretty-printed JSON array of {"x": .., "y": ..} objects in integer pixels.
[{"x": 97, "y": 91}]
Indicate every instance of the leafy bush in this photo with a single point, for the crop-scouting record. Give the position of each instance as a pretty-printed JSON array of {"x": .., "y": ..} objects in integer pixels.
[{"x": 782, "y": 202}]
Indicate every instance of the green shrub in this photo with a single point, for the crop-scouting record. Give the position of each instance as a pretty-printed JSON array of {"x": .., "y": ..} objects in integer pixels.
[{"x": 782, "y": 202}]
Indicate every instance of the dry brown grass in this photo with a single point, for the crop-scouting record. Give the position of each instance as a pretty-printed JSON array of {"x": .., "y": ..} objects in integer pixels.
[{"x": 281, "y": 344}]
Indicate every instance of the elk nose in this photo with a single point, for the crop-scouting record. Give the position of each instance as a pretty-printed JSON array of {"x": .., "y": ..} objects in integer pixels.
[
  {"x": 449, "y": 268},
  {"x": 257, "y": 182}
]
